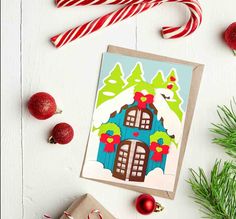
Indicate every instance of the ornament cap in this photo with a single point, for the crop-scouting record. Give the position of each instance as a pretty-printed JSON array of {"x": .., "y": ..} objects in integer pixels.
[
  {"x": 51, "y": 140},
  {"x": 58, "y": 111},
  {"x": 159, "y": 207}
]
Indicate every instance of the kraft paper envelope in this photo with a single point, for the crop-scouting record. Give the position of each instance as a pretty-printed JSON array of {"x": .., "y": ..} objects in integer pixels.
[{"x": 113, "y": 147}]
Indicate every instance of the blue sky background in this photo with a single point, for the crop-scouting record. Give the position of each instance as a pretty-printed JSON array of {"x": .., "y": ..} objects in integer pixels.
[{"x": 150, "y": 67}]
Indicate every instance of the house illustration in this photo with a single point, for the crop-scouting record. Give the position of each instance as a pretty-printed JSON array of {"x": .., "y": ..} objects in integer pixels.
[{"x": 133, "y": 141}]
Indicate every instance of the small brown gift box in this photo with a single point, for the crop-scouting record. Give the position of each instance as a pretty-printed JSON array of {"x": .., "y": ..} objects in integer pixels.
[{"x": 82, "y": 207}]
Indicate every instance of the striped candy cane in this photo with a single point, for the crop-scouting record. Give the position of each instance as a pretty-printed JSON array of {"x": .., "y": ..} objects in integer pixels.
[
  {"x": 133, "y": 7},
  {"x": 67, "y": 3},
  {"x": 95, "y": 212},
  {"x": 47, "y": 216}
]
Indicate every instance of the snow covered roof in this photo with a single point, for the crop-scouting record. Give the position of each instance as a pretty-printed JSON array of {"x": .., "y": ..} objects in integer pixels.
[{"x": 171, "y": 121}]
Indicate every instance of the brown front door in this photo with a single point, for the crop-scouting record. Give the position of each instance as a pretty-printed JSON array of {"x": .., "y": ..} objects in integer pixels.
[{"x": 131, "y": 161}]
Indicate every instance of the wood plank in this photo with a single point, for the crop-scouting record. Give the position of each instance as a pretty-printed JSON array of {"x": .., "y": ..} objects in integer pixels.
[{"x": 11, "y": 160}]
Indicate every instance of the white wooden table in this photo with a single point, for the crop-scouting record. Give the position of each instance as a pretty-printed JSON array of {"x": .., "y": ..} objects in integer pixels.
[{"x": 38, "y": 178}]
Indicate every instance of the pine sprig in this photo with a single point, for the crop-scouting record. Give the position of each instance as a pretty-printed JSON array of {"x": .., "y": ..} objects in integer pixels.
[
  {"x": 217, "y": 193},
  {"x": 226, "y": 130}
]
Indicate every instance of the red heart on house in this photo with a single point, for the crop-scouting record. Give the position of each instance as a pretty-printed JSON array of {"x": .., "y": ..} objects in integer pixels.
[
  {"x": 172, "y": 78},
  {"x": 170, "y": 86},
  {"x": 135, "y": 134}
]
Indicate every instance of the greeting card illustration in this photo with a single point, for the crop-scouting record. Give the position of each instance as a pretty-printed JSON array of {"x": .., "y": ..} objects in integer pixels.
[{"x": 138, "y": 122}]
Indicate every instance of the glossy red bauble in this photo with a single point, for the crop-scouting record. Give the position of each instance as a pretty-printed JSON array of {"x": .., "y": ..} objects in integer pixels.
[
  {"x": 145, "y": 204},
  {"x": 62, "y": 133},
  {"x": 230, "y": 36},
  {"x": 42, "y": 106}
]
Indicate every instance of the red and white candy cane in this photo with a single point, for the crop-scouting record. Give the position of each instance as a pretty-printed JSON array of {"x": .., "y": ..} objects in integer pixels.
[
  {"x": 47, "y": 216},
  {"x": 96, "y": 212},
  {"x": 67, "y": 3},
  {"x": 68, "y": 215},
  {"x": 133, "y": 7}
]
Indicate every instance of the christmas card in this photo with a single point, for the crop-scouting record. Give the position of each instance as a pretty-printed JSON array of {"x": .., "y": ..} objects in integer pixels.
[{"x": 143, "y": 110}]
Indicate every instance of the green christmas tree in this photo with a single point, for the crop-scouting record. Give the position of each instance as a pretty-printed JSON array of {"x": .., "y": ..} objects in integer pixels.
[
  {"x": 135, "y": 77},
  {"x": 113, "y": 85},
  {"x": 144, "y": 86},
  {"x": 158, "y": 80},
  {"x": 175, "y": 103}
]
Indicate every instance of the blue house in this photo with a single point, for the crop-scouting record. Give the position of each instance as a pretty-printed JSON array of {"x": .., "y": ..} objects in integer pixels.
[{"x": 125, "y": 141}]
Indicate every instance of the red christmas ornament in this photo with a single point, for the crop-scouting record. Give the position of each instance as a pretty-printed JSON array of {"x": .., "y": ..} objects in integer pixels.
[
  {"x": 42, "y": 106},
  {"x": 62, "y": 133},
  {"x": 146, "y": 204},
  {"x": 230, "y": 36}
]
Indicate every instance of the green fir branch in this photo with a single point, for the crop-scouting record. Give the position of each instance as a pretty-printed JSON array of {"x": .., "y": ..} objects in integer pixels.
[
  {"x": 215, "y": 194},
  {"x": 226, "y": 129}
]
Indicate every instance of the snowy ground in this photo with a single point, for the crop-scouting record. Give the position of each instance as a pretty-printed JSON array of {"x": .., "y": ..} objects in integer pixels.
[{"x": 155, "y": 179}]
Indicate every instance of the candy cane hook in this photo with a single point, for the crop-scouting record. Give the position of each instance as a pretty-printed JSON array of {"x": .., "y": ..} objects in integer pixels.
[{"x": 132, "y": 8}]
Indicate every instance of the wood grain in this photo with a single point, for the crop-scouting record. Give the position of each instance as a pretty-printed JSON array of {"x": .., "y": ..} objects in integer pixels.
[{"x": 11, "y": 129}]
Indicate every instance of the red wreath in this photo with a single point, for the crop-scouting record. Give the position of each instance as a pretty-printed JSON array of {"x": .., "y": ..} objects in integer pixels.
[
  {"x": 143, "y": 100},
  {"x": 159, "y": 150},
  {"x": 110, "y": 142}
]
